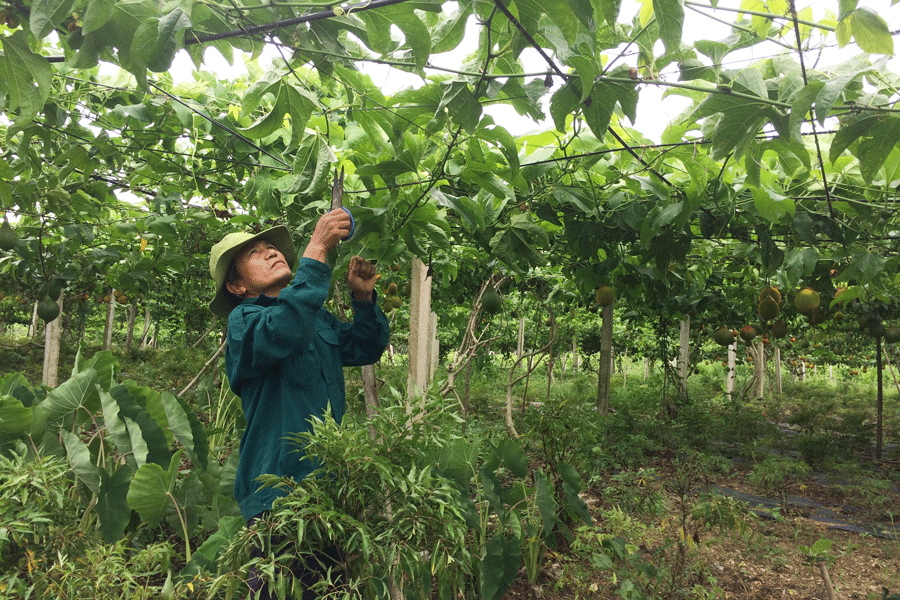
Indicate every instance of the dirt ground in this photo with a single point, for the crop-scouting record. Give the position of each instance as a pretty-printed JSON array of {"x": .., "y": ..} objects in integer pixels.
[{"x": 766, "y": 564}]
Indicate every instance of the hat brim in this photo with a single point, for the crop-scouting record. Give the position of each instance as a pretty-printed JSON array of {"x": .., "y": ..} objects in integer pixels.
[{"x": 224, "y": 252}]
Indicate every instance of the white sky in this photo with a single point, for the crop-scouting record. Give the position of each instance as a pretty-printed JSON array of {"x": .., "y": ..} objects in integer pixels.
[{"x": 654, "y": 112}]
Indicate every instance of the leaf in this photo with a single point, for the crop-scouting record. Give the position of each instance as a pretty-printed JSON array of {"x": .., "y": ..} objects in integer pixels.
[
  {"x": 874, "y": 150},
  {"x": 150, "y": 491},
  {"x": 147, "y": 439},
  {"x": 15, "y": 418},
  {"x": 546, "y": 503},
  {"x": 507, "y": 145},
  {"x": 598, "y": 109},
  {"x": 801, "y": 104},
  {"x": 170, "y": 39},
  {"x": 416, "y": 34},
  {"x": 205, "y": 558},
  {"x": 459, "y": 460},
  {"x": 800, "y": 262},
  {"x": 312, "y": 164},
  {"x": 519, "y": 245},
  {"x": 670, "y": 16},
  {"x": 871, "y": 32},
  {"x": 24, "y": 76},
  {"x": 512, "y": 456},
  {"x": 97, "y": 15},
  {"x": 116, "y": 428},
  {"x": 79, "y": 391},
  {"x": 836, "y": 85},
  {"x": 187, "y": 428},
  {"x": 80, "y": 460},
  {"x": 472, "y": 213},
  {"x": 112, "y": 504},
  {"x": 850, "y": 131},
  {"x": 564, "y": 102},
  {"x": 461, "y": 104},
  {"x": 771, "y": 205},
  {"x": 741, "y": 118},
  {"x": 46, "y": 15},
  {"x": 610, "y": 10},
  {"x": 864, "y": 267},
  {"x": 771, "y": 256},
  {"x": 499, "y": 565}
]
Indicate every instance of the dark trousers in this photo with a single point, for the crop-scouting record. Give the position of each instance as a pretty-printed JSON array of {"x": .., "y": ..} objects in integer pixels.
[{"x": 306, "y": 575}]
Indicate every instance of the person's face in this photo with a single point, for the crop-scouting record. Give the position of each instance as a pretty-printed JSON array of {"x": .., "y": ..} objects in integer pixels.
[{"x": 262, "y": 269}]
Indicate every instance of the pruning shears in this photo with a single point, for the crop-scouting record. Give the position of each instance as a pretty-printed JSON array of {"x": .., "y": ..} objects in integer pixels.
[{"x": 337, "y": 201}]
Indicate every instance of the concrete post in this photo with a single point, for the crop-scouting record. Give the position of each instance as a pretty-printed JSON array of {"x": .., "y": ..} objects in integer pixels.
[
  {"x": 52, "y": 337},
  {"x": 419, "y": 330}
]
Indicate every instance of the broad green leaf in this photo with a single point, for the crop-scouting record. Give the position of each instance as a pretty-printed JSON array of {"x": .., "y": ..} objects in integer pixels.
[
  {"x": 851, "y": 130},
  {"x": 800, "y": 263},
  {"x": 610, "y": 10},
  {"x": 450, "y": 31},
  {"x": 187, "y": 428},
  {"x": 845, "y": 7},
  {"x": 24, "y": 76},
  {"x": 771, "y": 256},
  {"x": 499, "y": 565},
  {"x": 104, "y": 363},
  {"x": 205, "y": 558},
  {"x": 546, "y": 503},
  {"x": 801, "y": 104},
  {"x": 461, "y": 104},
  {"x": 151, "y": 490},
  {"x": 459, "y": 461},
  {"x": 472, "y": 213},
  {"x": 572, "y": 486},
  {"x": 141, "y": 411},
  {"x": 116, "y": 428},
  {"x": 564, "y": 102},
  {"x": 80, "y": 460},
  {"x": 507, "y": 145},
  {"x": 844, "y": 31},
  {"x": 170, "y": 39},
  {"x": 864, "y": 267},
  {"x": 871, "y": 32},
  {"x": 416, "y": 34},
  {"x": 15, "y": 418},
  {"x": 312, "y": 164},
  {"x": 97, "y": 14},
  {"x": 76, "y": 393},
  {"x": 670, "y": 16},
  {"x": 512, "y": 456},
  {"x": 761, "y": 25},
  {"x": 47, "y": 15},
  {"x": 741, "y": 118},
  {"x": 112, "y": 504},
  {"x": 771, "y": 205},
  {"x": 575, "y": 198},
  {"x": 874, "y": 150},
  {"x": 835, "y": 86},
  {"x": 521, "y": 245}
]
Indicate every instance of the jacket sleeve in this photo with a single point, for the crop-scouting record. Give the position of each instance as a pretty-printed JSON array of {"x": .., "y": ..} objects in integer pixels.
[
  {"x": 363, "y": 340},
  {"x": 261, "y": 336}
]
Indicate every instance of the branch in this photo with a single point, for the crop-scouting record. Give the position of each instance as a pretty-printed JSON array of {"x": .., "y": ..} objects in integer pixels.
[{"x": 214, "y": 358}]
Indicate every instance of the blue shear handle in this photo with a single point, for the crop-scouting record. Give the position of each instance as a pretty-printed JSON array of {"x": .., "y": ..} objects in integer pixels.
[{"x": 352, "y": 224}]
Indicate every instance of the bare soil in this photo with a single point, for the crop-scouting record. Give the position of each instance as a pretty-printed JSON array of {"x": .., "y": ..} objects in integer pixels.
[{"x": 765, "y": 563}]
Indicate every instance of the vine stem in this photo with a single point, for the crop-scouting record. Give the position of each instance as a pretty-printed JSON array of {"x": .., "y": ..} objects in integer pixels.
[{"x": 812, "y": 121}]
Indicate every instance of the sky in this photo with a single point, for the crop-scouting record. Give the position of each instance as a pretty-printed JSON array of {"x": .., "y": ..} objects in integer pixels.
[{"x": 654, "y": 111}]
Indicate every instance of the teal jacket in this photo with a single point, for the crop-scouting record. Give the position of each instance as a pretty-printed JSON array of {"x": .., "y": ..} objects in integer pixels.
[{"x": 284, "y": 360}]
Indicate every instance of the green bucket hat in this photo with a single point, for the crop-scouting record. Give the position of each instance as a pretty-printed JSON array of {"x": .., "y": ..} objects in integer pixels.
[{"x": 223, "y": 252}]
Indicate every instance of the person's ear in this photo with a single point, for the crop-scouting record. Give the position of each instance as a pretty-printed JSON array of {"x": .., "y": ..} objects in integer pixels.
[{"x": 237, "y": 290}]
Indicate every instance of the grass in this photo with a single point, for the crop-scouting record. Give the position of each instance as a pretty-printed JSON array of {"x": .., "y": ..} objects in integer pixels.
[{"x": 654, "y": 535}]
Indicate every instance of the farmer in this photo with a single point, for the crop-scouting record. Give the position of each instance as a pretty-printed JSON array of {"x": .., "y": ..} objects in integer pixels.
[{"x": 285, "y": 351}]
